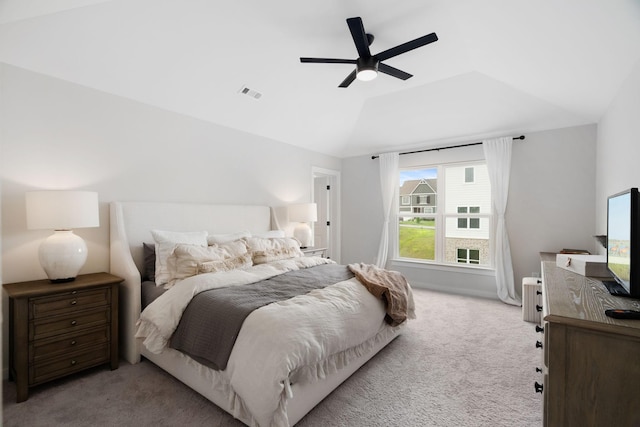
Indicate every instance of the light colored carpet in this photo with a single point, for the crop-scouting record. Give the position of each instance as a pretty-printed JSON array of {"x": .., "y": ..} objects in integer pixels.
[{"x": 463, "y": 362}]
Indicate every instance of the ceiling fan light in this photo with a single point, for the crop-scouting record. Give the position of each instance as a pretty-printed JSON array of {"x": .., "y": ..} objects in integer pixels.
[
  {"x": 366, "y": 74},
  {"x": 366, "y": 69}
]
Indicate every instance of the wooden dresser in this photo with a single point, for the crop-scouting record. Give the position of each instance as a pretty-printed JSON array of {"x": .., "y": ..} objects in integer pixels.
[
  {"x": 591, "y": 363},
  {"x": 62, "y": 328}
]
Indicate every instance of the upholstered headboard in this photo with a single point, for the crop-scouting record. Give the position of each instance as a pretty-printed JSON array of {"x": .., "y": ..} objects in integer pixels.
[{"x": 131, "y": 225}]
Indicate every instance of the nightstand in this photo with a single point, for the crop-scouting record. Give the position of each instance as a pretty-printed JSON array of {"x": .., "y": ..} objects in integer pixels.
[
  {"x": 312, "y": 251},
  {"x": 62, "y": 328}
]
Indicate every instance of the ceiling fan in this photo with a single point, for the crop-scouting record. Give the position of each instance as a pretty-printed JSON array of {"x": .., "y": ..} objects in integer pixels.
[{"x": 367, "y": 65}]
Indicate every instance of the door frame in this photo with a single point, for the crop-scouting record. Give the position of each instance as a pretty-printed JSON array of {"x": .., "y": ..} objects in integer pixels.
[{"x": 333, "y": 176}]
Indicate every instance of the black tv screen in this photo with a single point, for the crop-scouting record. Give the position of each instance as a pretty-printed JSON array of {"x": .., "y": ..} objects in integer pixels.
[{"x": 623, "y": 238}]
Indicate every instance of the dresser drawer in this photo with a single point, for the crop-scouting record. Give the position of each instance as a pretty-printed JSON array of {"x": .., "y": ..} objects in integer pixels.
[
  {"x": 56, "y": 325},
  {"x": 67, "y": 302},
  {"x": 67, "y": 364},
  {"x": 53, "y": 347}
]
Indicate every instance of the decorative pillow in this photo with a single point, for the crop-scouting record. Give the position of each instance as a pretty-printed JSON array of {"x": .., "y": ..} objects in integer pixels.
[
  {"x": 189, "y": 260},
  {"x": 213, "y": 239},
  {"x": 270, "y": 234},
  {"x": 166, "y": 242},
  {"x": 267, "y": 250},
  {"x": 149, "y": 251}
]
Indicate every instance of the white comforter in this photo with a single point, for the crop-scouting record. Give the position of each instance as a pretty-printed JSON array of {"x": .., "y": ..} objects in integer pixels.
[{"x": 297, "y": 340}]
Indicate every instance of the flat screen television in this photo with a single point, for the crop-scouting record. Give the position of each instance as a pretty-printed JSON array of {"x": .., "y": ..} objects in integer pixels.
[{"x": 623, "y": 243}]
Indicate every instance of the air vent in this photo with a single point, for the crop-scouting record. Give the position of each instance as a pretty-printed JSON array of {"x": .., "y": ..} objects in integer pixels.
[{"x": 250, "y": 92}]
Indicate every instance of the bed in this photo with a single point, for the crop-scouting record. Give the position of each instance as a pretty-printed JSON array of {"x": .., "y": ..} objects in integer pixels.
[{"x": 131, "y": 225}]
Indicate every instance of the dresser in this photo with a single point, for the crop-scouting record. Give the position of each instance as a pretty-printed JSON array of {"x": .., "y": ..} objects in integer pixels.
[
  {"x": 62, "y": 328},
  {"x": 590, "y": 362}
]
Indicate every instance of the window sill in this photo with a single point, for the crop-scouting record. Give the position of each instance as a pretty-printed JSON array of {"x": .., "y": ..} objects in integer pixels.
[{"x": 477, "y": 270}]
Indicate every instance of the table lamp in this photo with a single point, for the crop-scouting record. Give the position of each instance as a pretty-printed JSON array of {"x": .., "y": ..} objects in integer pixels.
[
  {"x": 63, "y": 253},
  {"x": 303, "y": 214}
]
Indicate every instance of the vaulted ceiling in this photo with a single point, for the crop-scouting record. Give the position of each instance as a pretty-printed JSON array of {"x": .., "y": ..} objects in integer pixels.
[{"x": 499, "y": 67}]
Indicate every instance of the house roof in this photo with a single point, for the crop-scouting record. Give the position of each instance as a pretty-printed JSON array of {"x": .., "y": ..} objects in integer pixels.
[
  {"x": 499, "y": 67},
  {"x": 418, "y": 186}
]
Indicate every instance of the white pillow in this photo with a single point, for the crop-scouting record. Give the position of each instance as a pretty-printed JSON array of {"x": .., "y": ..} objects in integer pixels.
[
  {"x": 270, "y": 234},
  {"x": 190, "y": 260},
  {"x": 213, "y": 239},
  {"x": 166, "y": 242},
  {"x": 267, "y": 250}
]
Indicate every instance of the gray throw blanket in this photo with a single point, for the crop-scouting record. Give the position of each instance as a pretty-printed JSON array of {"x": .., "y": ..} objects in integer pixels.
[{"x": 211, "y": 322}]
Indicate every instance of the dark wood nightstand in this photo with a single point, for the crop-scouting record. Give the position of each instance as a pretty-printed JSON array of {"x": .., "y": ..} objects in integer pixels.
[
  {"x": 62, "y": 328},
  {"x": 313, "y": 251}
]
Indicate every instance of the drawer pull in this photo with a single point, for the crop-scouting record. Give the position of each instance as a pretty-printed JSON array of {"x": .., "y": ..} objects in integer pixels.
[
  {"x": 74, "y": 302},
  {"x": 73, "y": 323},
  {"x": 538, "y": 387},
  {"x": 538, "y": 370},
  {"x": 538, "y": 307},
  {"x": 73, "y": 342},
  {"x": 539, "y": 329},
  {"x": 538, "y": 292},
  {"x": 73, "y": 362},
  {"x": 538, "y": 344}
]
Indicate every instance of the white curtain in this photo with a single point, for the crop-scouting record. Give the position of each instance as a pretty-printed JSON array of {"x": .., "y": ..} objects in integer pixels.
[
  {"x": 388, "y": 185},
  {"x": 498, "y": 155}
]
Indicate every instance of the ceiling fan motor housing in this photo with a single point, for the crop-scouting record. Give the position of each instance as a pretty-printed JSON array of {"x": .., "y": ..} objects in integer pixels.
[{"x": 367, "y": 68}]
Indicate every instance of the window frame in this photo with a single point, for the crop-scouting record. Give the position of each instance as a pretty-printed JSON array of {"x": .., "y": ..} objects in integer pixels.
[{"x": 441, "y": 216}]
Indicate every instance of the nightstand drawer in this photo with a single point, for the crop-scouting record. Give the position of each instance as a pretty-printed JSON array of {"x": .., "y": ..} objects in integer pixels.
[
  {"x": 67, "y": 302},
  {"x": 55, "y": 325},
  {"x": 63, "y": 344},
  {"x": 312, "y": 251},
  {"x": 73, "y": 362}
]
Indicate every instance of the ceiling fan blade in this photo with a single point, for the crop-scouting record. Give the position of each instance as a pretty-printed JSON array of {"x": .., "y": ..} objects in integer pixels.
[
  {"x": 384, "y": 68},
  {"x": 328, "y": 61},
  {"x": 406, "y": 47},
  {"x": 350, "y": 78},
  {"x": 359, "y": 36}
]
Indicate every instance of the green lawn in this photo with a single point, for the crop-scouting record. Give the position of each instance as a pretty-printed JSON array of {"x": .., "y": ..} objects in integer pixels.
[{"x": 417, "y": 243}]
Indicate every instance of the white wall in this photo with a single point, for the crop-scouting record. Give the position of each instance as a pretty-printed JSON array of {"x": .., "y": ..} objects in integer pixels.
[
  {"x": 59, "y": 135},
  {"x": 550, "y": 207},
  {"x": 618, "y": 147}
]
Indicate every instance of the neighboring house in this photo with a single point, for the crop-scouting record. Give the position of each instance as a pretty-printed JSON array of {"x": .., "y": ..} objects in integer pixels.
[
  {"x": 418, "y": 196},
  {"x": 468, "y": 206}
]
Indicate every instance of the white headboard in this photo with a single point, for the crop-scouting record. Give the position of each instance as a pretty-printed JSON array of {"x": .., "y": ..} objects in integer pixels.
[{"x": 131, "y": 225}]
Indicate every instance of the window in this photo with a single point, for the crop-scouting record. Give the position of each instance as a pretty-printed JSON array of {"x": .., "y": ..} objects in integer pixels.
[
  {"x": 455, "y": 226},
  {"x": 468, "y": 256},
  {"x": 468, "y": 174},
  {"x": 468, "y": 222},
  {"x": 406, "y": 200},
  {"x": 423, "y": 200}
]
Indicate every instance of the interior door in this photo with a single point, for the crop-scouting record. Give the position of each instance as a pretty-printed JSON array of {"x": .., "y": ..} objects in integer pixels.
[{"x": 326, "y": 195}]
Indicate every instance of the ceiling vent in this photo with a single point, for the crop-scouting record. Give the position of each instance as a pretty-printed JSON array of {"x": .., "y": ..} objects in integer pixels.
[{"x": 250, "y": 92}]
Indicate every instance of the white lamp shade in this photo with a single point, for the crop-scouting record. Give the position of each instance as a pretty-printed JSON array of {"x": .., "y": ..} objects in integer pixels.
[
  {"x": 303, "y": 212},
  {"x": 62, "y": 210}
]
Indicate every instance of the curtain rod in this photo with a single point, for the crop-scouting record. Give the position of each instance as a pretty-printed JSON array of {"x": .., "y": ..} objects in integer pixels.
[{"x": 446, "y": 148}]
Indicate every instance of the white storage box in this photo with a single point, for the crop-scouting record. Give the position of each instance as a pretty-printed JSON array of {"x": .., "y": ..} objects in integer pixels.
[
  {"x": 586, "y": 265},
  {"x": 531, "y": 299}
]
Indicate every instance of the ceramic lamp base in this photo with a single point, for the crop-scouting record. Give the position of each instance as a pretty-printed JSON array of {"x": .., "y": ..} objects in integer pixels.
[
  {"x": 302, "y": 233},
  {"x": 62, "y": 255}
]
